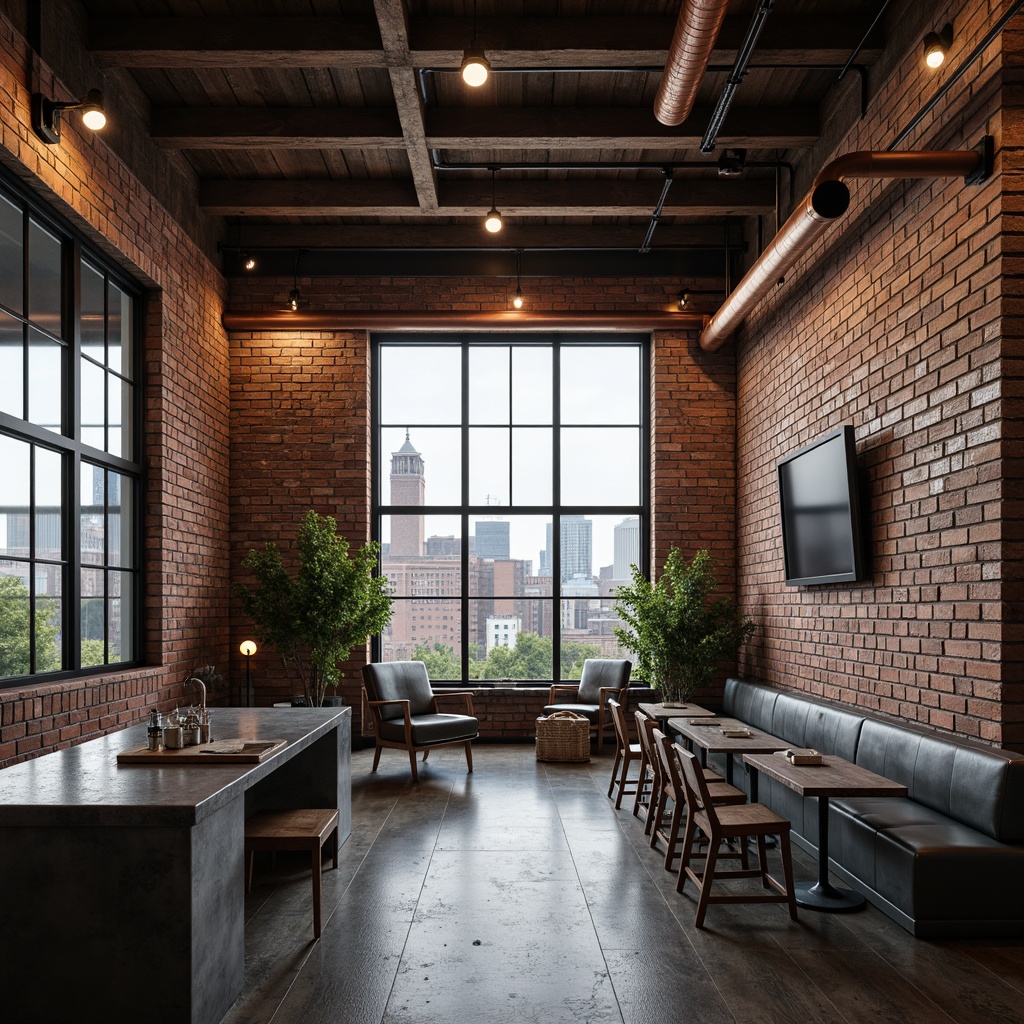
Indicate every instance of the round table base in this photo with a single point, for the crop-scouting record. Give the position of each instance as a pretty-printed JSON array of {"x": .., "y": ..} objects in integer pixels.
[{"x": 827, "y": 897}]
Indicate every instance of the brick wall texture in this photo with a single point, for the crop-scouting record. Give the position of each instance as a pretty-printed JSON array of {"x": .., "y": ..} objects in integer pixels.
[{"x": 904, "y": 320}]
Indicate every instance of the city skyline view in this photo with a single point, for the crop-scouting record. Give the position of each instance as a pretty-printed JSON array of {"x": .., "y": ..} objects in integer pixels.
[{"x": 506, "y": 535}]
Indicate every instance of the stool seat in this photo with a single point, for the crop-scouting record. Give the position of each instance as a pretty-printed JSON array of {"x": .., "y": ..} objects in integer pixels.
[{"x": 301, "y": 828}]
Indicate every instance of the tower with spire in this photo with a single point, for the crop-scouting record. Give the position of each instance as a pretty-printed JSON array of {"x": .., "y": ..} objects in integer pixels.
[{"x": 408, "y": 487}]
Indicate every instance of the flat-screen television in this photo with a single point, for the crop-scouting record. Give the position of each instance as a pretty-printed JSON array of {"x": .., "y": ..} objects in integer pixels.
[{"x": 823, "y": 538}]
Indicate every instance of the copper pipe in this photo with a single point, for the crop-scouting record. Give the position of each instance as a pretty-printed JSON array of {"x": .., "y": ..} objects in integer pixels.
[
  {"x": 810, "y": 219},
  {"x": 694, "y": 38},
  {"x": 432, "y": 320},
  {"x": 927, "y": 164}
]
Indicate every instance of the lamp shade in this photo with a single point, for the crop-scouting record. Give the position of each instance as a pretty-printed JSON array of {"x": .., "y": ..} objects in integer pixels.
[{"x": 475, "y": 67}]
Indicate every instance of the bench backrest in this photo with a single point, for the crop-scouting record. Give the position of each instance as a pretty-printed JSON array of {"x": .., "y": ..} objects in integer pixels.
[{"x": 982, "y": 787}]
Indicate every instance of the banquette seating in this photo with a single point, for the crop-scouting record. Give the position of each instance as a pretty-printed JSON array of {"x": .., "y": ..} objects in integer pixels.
[{"x": 947, "y": 860}]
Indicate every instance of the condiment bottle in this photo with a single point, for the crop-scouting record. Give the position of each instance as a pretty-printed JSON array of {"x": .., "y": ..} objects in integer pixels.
[{"x": 155, "y": 733}]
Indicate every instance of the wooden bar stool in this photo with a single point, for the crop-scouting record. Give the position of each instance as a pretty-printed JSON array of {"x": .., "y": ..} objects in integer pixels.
[{"x": 304, "y": 828}]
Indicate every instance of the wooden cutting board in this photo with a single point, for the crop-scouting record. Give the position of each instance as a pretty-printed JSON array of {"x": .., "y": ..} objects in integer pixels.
[{"x": 233, "y": 751}]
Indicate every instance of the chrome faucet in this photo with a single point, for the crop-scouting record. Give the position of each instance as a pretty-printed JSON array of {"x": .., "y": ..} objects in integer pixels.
[{"x": 198, "y": 682}]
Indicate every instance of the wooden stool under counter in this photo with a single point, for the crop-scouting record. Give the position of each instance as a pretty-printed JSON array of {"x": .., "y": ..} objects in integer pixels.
[{"x": 303, "y": 828}]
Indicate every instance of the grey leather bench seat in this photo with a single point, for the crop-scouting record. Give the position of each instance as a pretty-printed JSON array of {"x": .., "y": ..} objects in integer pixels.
[{"x": 948, "y": 859}]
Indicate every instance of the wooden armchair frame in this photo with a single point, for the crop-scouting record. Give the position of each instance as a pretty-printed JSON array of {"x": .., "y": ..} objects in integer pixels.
[{"x": 407, "y": 742}]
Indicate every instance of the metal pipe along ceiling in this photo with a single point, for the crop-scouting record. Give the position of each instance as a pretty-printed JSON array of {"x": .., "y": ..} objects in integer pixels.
[
  {"x": 694, "y": 38},
  {"x": 828, "y": 199}
]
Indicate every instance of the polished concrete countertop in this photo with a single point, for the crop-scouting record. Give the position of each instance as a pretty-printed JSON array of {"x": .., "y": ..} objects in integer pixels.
[{"x": 84, "y": 784}]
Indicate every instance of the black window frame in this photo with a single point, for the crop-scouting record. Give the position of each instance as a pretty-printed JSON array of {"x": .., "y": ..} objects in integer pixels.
[
  {"x": 74, "y": 452},
  {"x": 467, "y": 511}
]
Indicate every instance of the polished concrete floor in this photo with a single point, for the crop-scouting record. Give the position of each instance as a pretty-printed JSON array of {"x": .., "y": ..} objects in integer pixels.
[{"x": 519, "y": 894}]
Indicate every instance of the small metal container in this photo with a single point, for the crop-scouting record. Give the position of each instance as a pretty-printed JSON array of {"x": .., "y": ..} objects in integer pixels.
[{"x": 174, "y": 737}]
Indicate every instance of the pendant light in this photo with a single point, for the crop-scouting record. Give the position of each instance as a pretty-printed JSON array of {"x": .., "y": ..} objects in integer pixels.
[
  {"x": 475, "y": 66},
  {"x": 517, "y": 302},
  {"x": 493, "y": 221},
  {"x": 295, "y": 299}
]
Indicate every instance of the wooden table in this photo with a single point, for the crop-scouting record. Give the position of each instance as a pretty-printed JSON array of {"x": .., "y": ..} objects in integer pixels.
[
  {"x": 835, "y": 777},
  {"x": 710, "y": 740},
  {"x": 663, "y": 713}
]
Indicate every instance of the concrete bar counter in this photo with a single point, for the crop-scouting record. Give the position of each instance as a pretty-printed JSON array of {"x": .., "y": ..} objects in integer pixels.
[{"x": 124, "y": 884}]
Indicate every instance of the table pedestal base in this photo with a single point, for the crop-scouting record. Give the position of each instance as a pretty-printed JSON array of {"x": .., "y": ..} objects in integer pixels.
[{"x": 827, "y": 897}]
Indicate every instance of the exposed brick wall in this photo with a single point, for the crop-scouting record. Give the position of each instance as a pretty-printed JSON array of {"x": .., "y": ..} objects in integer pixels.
[
  {"x": 185, "y": 366},
  {"x": 894, "y": 323},
  {"x": 300, "y": 431}
]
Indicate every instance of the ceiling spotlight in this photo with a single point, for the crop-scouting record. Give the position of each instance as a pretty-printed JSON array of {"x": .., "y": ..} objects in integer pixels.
[
  {"x": 46, "y": 114},
  {"x": 248, "y": 261},
  {"x": 493, "y": 221},
  {"x": 475, "y": 66},
  {"x": 732, "y": 162},
  {"x": 936, "y": 47},
  {"x": 684, "y": 299}
]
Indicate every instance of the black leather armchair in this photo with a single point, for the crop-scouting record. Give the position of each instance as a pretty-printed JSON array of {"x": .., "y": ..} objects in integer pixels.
[
  {"x": 405, "y": 713},
  {"x": 601, "y": 679}
]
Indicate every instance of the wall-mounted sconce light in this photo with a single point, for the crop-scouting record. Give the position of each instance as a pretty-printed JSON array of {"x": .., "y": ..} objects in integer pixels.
[
  {"x": 475, "y": 66},
  {"x": 936, "y": 47},
  {"x": 248, "y": 649},
  {"x": 46, "y": 115},
  {"x": 684, "y": 299},
  {"x": 248, "y": 261},
  {"x": 493, "y": 221}
]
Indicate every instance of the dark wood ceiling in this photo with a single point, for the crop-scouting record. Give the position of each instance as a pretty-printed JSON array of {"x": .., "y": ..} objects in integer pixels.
[{"x": 318, "y": 123}]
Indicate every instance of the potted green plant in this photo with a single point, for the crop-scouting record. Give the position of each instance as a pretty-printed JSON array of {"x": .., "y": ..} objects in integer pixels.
[
  {"x": 677, "y": 630},
  {"x": 332, "y": 603}
]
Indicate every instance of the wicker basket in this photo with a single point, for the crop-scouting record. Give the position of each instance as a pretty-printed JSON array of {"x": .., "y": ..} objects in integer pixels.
[{"x": 563, "y": 736}]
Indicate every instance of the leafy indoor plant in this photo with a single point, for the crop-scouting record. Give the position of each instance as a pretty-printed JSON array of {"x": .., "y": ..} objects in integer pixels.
[
  {"x": 677, "y": 630},
  {"x": 332, "y": 604}
]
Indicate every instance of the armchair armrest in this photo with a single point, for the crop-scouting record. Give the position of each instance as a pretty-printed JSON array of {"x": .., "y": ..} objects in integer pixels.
[
  {"x": 468, "y": 694},
  {"x": 613, "y": 692},
  {"x": 572, "y": 688}
]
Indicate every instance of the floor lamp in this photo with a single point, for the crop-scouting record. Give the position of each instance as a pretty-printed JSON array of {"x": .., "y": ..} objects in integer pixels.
[{"x": 248, "y": 648}]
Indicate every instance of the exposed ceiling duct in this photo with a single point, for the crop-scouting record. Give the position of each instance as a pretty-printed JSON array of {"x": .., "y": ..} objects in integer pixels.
[
  {"x": 827, "y": 200},
  {"x": 694, "y": 38}
]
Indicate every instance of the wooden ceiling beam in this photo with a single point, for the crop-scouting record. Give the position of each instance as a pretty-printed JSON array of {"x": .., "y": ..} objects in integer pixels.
[
  {"x": 594, "y": 40},
  {"x": 471, "y": 236},
  {"x": 392, "y": 19},
  {"x": 608, "y": 198},
  {"x": 614, "y": 128},
  {"x": 292, "y": 42},
  {"x": 556, "y": 42},
  {"x": 275, "y": 127},
  {"x": 313, "y": 198},
  {"x": 471, "y": 128}
]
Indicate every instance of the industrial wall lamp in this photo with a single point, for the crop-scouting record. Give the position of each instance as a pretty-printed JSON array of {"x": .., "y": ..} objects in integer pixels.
[
  {"x": 46, "y": 114},
  {"x": 936, "y": 47}
]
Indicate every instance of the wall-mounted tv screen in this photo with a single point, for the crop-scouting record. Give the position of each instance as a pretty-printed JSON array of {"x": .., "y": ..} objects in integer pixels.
[{"x": 822, "y": 536}]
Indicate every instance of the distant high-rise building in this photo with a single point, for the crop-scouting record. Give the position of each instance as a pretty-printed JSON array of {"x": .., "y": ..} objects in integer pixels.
[
  {"x": 492, "y": 539},
  {"x": 545, "y": 556},
  {"x": 408, "y": 487},
  {"x": 576, "y": 539},
  {"x": 627, "y": 547}
]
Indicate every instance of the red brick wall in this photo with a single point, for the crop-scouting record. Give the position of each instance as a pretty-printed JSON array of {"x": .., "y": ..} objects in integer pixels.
[
  {"x": 894, "y": 323},
  {"x": 300, "y": 431},
  {"x": 185, "y": 432}
]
